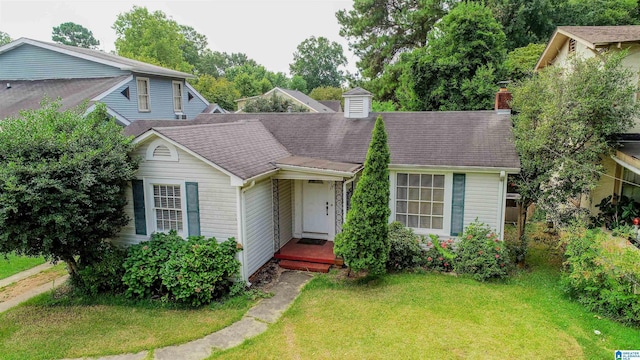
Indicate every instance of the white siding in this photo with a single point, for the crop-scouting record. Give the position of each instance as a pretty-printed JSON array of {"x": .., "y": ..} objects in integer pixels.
[
  {"x": 285, "y": 211},
  {"x": 216, "y": 196},
  {"x": 258, "y": 224},
  {"x": 482, "y": 199}
]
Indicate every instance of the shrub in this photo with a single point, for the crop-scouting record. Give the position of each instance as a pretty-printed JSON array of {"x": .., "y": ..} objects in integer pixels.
[
  {"x": 440, "y": 255},
  {"x": 481, "y": 254},
  {"x": 603, "y": 273},
  {"x": 104, "y": 274},
  {"x": 405, "y": 251}
]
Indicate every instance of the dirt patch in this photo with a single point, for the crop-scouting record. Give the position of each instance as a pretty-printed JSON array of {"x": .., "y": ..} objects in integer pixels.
[
  {"x": 266, "y": 276},
  {"x": 24, "y": 285}
]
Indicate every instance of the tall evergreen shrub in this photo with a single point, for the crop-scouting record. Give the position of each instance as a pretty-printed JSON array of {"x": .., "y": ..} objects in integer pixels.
[{"x": 363, "y": 242}]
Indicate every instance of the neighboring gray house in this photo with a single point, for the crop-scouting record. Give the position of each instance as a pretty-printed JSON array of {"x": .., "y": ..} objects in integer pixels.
[
  {"x": 296, "y": 96},
  {"x": 132, "y": 90},
  {"x": 266, "y": 179}
]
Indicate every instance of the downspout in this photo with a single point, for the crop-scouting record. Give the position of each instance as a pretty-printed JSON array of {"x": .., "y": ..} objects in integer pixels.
[
  {"x": 344, "y": 197},
  {"x": 242, "y": 228}
]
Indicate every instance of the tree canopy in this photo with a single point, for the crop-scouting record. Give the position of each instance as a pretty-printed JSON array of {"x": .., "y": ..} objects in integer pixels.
[
  {"x": 4, "y": 38},
  {"x": 74, "y": 35},
  {"x": 218, "y": 91},
  {"x": 62, "y": 183},
  {"x": 317, "y": 61},
  {"x": 273, "y": 103}
]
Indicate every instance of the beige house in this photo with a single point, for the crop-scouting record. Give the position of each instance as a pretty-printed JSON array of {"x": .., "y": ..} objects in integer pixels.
[
  {"x": 296, "y": 96},
  {"x": 590, "y": 41}
]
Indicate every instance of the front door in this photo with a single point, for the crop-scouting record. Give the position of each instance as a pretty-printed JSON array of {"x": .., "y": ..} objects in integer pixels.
[{"x": 315, "y": 209}]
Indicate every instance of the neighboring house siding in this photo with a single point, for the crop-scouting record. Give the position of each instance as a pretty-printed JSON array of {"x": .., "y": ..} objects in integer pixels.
[
  {"x": 286, "y": 210},
  {"x": 482, "y": 199},
  {"x": 605, "y": 187},
  {"x": 29, "y": 62},
  {"x": 217, "y": 198},
  {"x": 258, "y": 240},
  {"x": 195, "y": 106},
  {"x": 160, "y": 101}
]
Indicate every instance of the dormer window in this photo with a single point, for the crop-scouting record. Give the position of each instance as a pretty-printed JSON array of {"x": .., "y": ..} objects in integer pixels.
[
  {"x": 144, "y": 105},
  {"x": 177, "y": 96}
]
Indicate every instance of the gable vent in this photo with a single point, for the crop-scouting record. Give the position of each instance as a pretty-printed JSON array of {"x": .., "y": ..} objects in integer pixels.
[
  {"x": 161, "y": 151},
  {"x": 125, "y": 93}
]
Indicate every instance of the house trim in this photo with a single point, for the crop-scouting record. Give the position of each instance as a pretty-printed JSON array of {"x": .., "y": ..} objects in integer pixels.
[
  {"x": 113, "y": 88},
  {"x": 149, "y": 182},
  {"x": 196, "y": 93},
  {"x": 478, "y": 169},
  {"x": 625, "y": 165},
  {"x": 111, "y": 112},
  {"x": 316, "y": 171}
]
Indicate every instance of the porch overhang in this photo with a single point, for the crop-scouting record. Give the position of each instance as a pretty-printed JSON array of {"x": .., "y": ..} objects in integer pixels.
[
  {"x": 302, "y": 167},
  {"x": 629, "y": 156}
]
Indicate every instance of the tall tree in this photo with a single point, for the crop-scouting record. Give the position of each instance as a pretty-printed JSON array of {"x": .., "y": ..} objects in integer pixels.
[
  {"x": 274, "y": 103},
  {"x": 564, "y": 122},
  {"x": 326, "y": 93},
  {"x": 318, "y": 61},
  {"x": 151, "y": 37},
  {"x": 63, "y": 178},
  {"x": 363, "y": 242},
  {"x": 456, "y": 70},
  {"x": 217, "y": 90},
  {"x": 216, "y": 63},
  {"x": 4, "y": 38},
  {"x": 379, "y": 30},
  {"x": 74, "y": 35},
  {"x": 520, "y": 62},
  {"x": 193, "y": 46},
  {"x": 524, "y": 21}
]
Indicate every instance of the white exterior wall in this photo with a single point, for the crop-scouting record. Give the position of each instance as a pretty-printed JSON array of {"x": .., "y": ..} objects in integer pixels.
[
  {"x": 482, "y": 200},
  {"x": 286, "y": 210},
  {"x": 258, "y": 226},
  {"x": 217, "y": 198}
]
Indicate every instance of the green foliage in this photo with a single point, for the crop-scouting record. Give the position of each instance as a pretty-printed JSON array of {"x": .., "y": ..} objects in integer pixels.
[
  {"x": 274, "y": 103},
  {"x": 383, "y": 106},
  {"x": 193, "y": 46},
  {"x": 317, "y": 60},
  {"x": 599, "y": 12},
  {"x": 521, "y": 61},
  {"x": 440, "y": 255},
  {"x": 216, "y": 90},
  {"x": 194, "y": 272},
  {"x": 4, "y": 38},
  {"x": 481, "y": 254},
  {"x": 603, "y": 273},
  {"x": 298, "y": 83},
  {"x": 75, "y": 35},
  {"x": 613, "y": 214},
  {"x": 104, "y": 275},
  {"x": 405, "y": 251},
  {"x": 456, "y": 70},
  {"x": 526, "y": 21},
  {"x": 62, "y": 183},
  {"x": 563, "y": 126},
  {"x": 216, "y": 63},
  {"x": 364, "y": 242},
  {"x": 326, "y": 93},
  {"x": 379, "y": 30}
]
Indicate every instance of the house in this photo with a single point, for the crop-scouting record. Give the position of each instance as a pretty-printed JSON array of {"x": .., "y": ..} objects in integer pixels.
[
  {"x": 296, "y": 96},
  {"x": 131, "y": 90},
  {"x": 586, "y": 42},
  {"x": 271, "y": 179}
]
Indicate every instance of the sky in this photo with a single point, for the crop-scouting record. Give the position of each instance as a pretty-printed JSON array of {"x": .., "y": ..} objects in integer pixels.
[{"x": 268, "y": 31}]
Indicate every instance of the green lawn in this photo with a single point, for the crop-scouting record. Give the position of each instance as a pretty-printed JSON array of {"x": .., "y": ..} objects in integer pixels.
[
  {"x": 45, "y": 328},
  {"x": 14, "y": 264},
  {"x": 435, "y": 316}
]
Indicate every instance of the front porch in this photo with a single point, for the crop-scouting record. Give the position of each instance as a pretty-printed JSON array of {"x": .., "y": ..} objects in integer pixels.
[{"x": 308, "y": 255}]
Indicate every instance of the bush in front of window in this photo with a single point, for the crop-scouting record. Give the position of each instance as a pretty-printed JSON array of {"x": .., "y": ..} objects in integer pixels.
[
  {"x": 103, "y": 275},
  {"x": 405, "y": 251},
  {"x": 440, "y": 254},
  {"x": 193, "y": 272},
  {"x": 481, "y": 253}
]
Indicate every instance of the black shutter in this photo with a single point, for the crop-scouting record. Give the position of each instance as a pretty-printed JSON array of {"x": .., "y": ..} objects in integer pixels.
[
  {"x": 457, "y": 204},
  {"x": 140, "y": 218},
  {"x": 193, "y": 209}
]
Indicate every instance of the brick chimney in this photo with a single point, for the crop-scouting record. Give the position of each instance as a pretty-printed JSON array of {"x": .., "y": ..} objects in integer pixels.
[{"x": 503, "y": 97}]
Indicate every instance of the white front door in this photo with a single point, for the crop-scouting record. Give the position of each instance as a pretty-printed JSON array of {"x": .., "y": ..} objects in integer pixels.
[{"x": 315, "y": 209}]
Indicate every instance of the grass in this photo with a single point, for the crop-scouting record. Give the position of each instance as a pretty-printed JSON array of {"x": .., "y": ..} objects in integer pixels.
[
  {"x": 14, "y": 264},
  {"x": 48, "y": 327},
  {"x": 435, "y": 316}
]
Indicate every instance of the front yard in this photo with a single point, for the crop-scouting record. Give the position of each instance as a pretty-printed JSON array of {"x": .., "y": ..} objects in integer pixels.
[{"x": 14, "y": 264}]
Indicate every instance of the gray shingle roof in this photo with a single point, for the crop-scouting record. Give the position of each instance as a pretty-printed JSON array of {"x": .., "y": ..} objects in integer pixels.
[
  {"x": 357, "y": 91},
  {"x": 604, "y": 34},
  {"x": 305, "y": 99},
  {"x": 25, "y": 94},
  {"x": 124, "y": 63},
  {"x": 335, "y": 105},
  {"x": 244, "y": 148},
  {"x": 434, "y": 139}
]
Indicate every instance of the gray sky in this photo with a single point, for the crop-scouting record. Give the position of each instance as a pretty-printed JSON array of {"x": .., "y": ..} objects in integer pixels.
[{"x": 268, "y": 31}]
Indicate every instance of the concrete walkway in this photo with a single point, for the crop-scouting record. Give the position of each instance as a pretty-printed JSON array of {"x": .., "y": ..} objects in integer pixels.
[
  {"x": 14, "y": 301},
  {"x": 255, "y": 322}
]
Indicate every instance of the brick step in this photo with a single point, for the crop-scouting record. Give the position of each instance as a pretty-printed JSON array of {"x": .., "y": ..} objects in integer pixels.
[
  {"x": 304, "y": 266},
  {"x": 312, "y": 259}
]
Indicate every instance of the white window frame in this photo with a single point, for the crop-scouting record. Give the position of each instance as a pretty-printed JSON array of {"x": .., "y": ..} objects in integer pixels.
[
  {"x": 448, "y": 188},
  {"x": 177, "y": 96},
  {"x": 150, "y": 206},
  {"x": 148, "y": 94}
]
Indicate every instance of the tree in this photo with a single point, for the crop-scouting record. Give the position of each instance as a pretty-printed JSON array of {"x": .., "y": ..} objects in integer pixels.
[
  {"x": 564, "y": 122},
  {"x": 4, "y": 38},
  {"x": 363, "y": 242},
  {"x": 151, "y": 37},
  {"x": 298, "y": 83},
  {"x": 216, "y": 63},
  {"x": 219, "y": 91},
  {"x": 193, "y": 46},
  {"x": 317, "y": 60},
  {"x": 521, "y": 61},
  {"x": 326, "y": 93},
  {"x": 62, "y": 183},
  {"x": 274, "y": 103},
  {"x": 74, "y": 35},
  {"x": 524, "y": 21},
  {"x": 597, "y": 12},
  {"x": 379, "y": 30},
  {"x": 463, "y": 53}
]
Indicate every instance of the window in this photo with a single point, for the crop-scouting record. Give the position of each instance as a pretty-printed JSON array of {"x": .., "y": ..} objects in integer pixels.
[
  {"x": 631, "y": 191},
  {"x": 177, "y": 96},
  {"x": 420, "y": 200},
  {"x": 143, "y": 94},
  {"x": 167, "y": 207}
]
